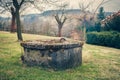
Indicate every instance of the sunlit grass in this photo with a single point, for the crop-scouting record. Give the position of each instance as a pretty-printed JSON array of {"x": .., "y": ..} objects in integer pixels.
[{"x": 99, "y": 63}]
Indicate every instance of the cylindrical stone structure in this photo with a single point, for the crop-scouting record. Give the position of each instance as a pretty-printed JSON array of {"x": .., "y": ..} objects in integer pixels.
[{"x": 54, "y": 55}]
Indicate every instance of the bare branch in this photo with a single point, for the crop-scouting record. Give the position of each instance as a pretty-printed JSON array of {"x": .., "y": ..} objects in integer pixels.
[
  {"x": 15, "y": 3},
  {"x": 37, "y": 7},
  {"x": 2, "y": 11},
  {"x": 5, "y": 6},
  {"x": 84, "y": 6},
  {"x": 106, "y": 1},
  {"x": 102, "y": 2},
  {"x": 52, "y": 2},
  {"x": 23, "y": 8},
  {"x": 57, "y": 19},
  {"x": 88, "y": 5},
  {"x": 21, "y": 2},
  {"x": 62, "y": 13},
  {"x": 64, "y": 20},
  {"x": 98, "y": 6}
]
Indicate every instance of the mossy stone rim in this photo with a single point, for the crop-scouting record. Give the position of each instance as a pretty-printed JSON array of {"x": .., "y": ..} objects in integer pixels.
[{"x": 39, "y": 45}]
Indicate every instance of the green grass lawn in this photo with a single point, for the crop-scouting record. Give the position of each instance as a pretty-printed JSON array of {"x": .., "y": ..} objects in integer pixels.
[{"x": 99, "y": 63}]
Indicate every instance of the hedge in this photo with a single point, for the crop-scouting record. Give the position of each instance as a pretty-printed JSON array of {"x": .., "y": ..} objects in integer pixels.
[{"x": 111, "y": 39}]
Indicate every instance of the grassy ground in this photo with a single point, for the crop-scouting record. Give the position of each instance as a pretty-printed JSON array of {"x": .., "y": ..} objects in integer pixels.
[{"x": 99, "y": 63}]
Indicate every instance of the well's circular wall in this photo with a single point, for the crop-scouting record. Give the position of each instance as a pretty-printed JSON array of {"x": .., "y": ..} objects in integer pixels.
[{"x": 54, "y": 55}]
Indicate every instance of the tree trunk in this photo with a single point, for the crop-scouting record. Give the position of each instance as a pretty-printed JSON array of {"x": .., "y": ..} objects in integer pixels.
[
  {"x": 13, "y": 26},
  {"x": 84, "y": 32},
  {"x": 59, "y": 31},
  {"x": 19, "y": 32},
  {"x": 84, "y": 27}
]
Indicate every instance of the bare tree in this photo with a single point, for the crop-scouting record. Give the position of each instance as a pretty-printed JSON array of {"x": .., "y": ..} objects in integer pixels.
[
  {"x": 60, "y": 22},
  {"x": 14, "y": 7},
  {"x": 13, "y": 26},
  {"x": 6, "y": 7},
  {"x": 60, "y": 17},
  {"x": 84, "y": 7}
]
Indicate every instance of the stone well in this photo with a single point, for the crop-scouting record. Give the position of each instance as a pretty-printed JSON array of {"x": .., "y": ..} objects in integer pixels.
[{"x": 52, "y": 53}]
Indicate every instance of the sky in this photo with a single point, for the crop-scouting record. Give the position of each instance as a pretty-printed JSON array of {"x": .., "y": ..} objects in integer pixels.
[{"x": 111, "y": 6}]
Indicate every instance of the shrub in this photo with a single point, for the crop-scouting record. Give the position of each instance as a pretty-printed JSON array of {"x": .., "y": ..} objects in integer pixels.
[{"x": 111, "y": 39}]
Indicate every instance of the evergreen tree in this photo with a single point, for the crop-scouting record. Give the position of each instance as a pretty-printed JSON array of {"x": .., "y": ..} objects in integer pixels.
[{"x": 100, "y": 17}]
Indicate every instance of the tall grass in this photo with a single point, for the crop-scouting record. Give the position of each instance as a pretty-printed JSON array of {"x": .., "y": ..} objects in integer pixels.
[{"x": 99, "y": 63}]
